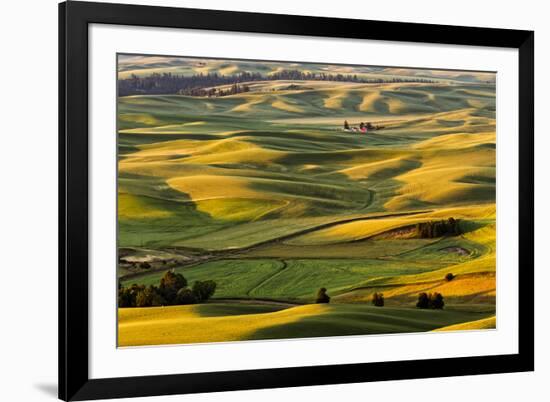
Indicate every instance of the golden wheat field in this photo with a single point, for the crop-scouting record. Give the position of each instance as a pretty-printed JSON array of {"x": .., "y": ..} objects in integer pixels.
[{"x": 272, "y": 200}]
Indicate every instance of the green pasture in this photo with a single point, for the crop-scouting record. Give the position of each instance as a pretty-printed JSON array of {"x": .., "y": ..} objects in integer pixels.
[{"x": 295, "y": 279}]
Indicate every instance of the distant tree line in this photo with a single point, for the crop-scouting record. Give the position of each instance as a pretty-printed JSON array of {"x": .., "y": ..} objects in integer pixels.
[
  {"x": 194, "y": 85},
  {"x": 172, "y": 290},
  {"x": 201, "y": 84}
]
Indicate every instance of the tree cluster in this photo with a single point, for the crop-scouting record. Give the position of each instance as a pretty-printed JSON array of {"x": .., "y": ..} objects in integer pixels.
[
  {"x": 430, "y": 300},
  {"x": 202, "y": 84},
  {"x": 172, "y": 290},
  {"x": 210, "y": 92},
  {"x": 432, "y": 229}
]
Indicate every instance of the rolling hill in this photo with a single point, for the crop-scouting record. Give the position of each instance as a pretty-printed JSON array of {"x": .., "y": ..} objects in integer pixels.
[{"x": 266, "y": 194}]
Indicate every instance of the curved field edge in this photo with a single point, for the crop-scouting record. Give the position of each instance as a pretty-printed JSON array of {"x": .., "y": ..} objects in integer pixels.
[
  {"x": 486, "y": 323},
  {"x": 353, "y": 272}
]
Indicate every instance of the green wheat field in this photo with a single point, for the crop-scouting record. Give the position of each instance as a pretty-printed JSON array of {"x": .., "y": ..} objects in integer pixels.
[{"x": 256, "y": 178}]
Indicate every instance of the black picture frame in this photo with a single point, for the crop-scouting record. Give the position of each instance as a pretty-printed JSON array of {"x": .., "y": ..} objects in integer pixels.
[{"x": 74, "y": 18}]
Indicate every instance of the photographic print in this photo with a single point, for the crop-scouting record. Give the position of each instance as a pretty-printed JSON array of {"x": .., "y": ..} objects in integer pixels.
[{"x": 277, "y": 199}]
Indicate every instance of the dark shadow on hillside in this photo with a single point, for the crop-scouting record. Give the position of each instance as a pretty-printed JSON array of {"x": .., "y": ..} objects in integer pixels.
[
  {"x": 386, "y": 187},
  {"x": 329, "y": 191},
  {"x": 182, "y": 218},
  {"x": 367, "y": 320}
]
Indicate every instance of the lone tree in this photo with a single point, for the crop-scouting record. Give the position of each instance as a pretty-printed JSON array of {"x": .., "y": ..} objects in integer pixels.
[
  {"x": 449, "y": 277},
  {"x": 322, "y": 296},
  {"x": 378, "y": 299}
]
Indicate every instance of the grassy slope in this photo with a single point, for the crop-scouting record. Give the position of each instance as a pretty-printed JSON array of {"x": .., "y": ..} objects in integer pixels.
[
  {"x": 296, "y": 170},
  {"x": 230, "y": 173},
  {"x": 196, "y": 324}
]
